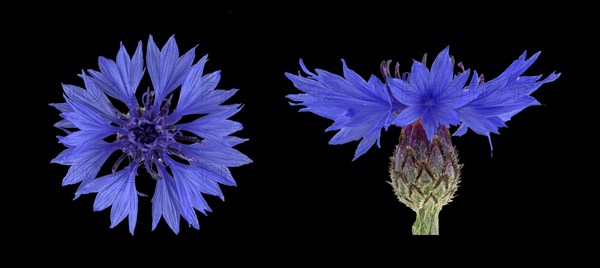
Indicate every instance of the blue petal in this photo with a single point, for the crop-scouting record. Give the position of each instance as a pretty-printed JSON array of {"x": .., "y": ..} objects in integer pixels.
[
  {"x": 125, "y": 204},
  {"x": 113, "y": 83},
  {"x": 215, "y": 152},
  {"x": 460, "y": 131},
  {"x": 198, "y": 94},
  {"x": 94, "y": 128},
  {"x": 111, "y": 73},
  {"x": 161, "y": 64},
  {"x": 379, "y": 88},
  {"x": 442, "y": 69},
  {"x": 370, "y": 132},
  {"x": 84, "y": 118},
  {"x": 518, "y": 67},
  {"x": 98, "y": 99},
  {"x": 500, "y": 98},
  {"x": 348, "y": 134},
  {"x": 167, "y": 70},
  {"x": 446, "y": 116},
  {"x": 165, "y": 202},
  {"x": 373, "y": 91},
  {"x": 306, "y": 85},
  {"x": 473, "y": 84},
  {"x": 458, "y": 83},
  {"x": 233, "y": 141},
  {"x": 365, "y": 144},
  {"x": 208, "y": 103},
  {"x": 190, "y": 182},
  {"x": 405, "y": 92},
  {"x": 409, "y": 116},
  {"x": 337, "y": 85},
  {"x": 197, "y": 179},
  {"x": 84, "y": 139},
  {"x": 215, "y": 125},
  {"x": 110, "y": 88},
  {"x": 508, "y": 115},
  {"x": 367, "y": 115},
  {"x": 131, "y": 69},
  {"x": 304, "y": 69},
  {"x": 62, "y": 107},
  {"x": 326, "y": 100},
  {"x": 454, "y": 95},
  {"x": 359, "y": 109},
  {"x": 481, "y": 125},
  {"x": 320, "y": 100},
  {"x": 420, "y": 78},
  {"x": 86, "y": 165},
  {"x": 430, "y": 124},
  {"x": 118, "y": 190},
  {"x": 62, "y": 124},
  {"x": 92, "y": 99}
]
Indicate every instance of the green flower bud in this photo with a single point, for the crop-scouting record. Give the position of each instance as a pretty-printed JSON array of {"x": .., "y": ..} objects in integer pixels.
[{"x": 425, "y": 174}]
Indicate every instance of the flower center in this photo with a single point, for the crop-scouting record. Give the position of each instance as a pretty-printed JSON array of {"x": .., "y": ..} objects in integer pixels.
[
  {"x": 148, "y": 138},
  {"x": 145, "y": 133}
]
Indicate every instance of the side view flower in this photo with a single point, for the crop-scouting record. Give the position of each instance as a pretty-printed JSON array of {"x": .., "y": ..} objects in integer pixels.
[
  {"x": 424, "y": 103},
  {"x": 186, "y": 159}
]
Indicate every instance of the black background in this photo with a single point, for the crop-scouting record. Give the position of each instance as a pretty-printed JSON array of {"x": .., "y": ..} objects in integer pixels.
[{"x": 300, "y": 190}]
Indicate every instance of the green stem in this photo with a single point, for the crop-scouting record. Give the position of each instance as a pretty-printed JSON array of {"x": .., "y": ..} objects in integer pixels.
[{"x": 427, "y": 222}]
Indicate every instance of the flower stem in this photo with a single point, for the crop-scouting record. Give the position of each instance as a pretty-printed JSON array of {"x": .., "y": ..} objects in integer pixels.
[{"x": 427, "y": 222}]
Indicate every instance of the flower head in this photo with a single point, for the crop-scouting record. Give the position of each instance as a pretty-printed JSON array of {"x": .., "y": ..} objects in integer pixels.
[
  {"x": 185, "y": 159},
  {"x": 439, "y": 97},
  {"x": 436, "y": 96}
]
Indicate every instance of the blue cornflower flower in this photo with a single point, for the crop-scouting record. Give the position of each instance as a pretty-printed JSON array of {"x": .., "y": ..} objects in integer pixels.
[
  {"x": 184, "y": 164},
  {"x": 436, "y": 97},
  {"x": 439, "y": 97}
]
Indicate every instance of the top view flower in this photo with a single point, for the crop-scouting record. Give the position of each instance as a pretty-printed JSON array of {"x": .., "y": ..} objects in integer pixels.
[
  {"x": 185, "y": 159},
  {"x": 435, "y": 97}
]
